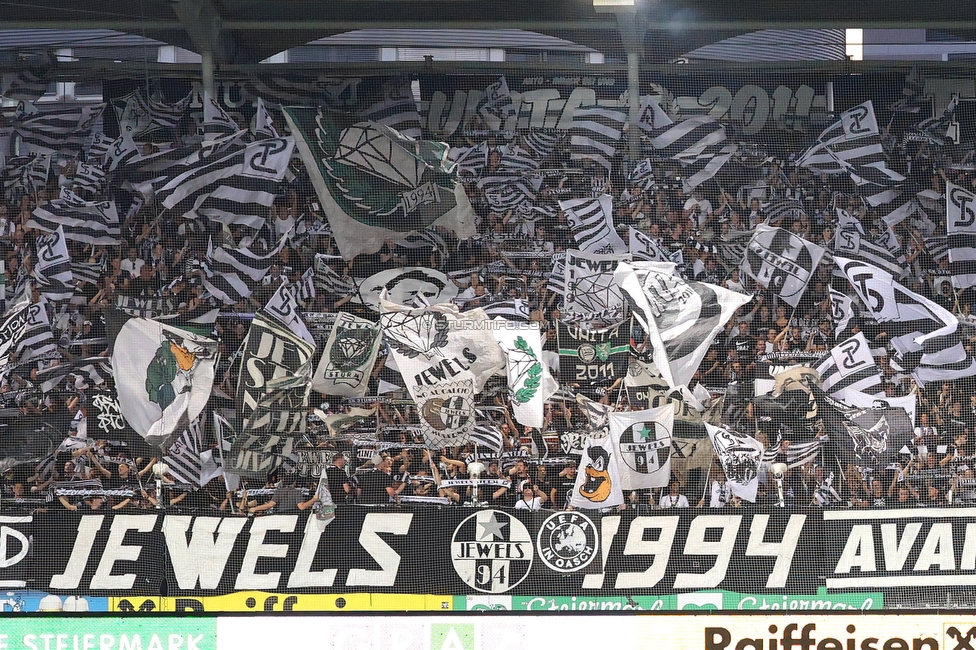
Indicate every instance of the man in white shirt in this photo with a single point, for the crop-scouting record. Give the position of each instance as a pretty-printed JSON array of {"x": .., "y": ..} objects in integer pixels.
[
  {"x": 132, "y": 264},
  {"x": 674, "y": 498},
  {"x": 698, "y": 208}
]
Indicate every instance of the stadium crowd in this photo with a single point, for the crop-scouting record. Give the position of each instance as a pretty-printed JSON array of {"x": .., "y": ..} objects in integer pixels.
[{"x": 382, "y": 458}]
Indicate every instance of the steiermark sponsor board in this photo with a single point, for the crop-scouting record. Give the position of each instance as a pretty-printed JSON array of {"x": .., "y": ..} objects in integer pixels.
[
  {"x": 705, "y": 631},
  {"x": 154, "y": 633},
  {"x": 703, "y": 600}
]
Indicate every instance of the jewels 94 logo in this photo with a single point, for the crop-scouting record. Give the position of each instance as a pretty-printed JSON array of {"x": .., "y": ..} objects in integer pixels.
[
  {"x": 567, "y": 541},
  {"x": 491, "y": 551}
]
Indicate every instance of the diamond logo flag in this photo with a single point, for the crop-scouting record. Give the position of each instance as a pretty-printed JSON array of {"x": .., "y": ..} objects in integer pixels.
[
  {"x": 591, "y": 293},
  {"x": 163, "y": 375},
  {"x": 642, "y": 440},
  {"x": 529, "y": 382},
  {"x": 439, "y": 344},
  {"x": 348, "y": 358},
  {"x": 375, "y": 183}
]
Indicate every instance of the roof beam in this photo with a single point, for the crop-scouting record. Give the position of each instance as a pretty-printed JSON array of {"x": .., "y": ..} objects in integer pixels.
[{"x": 203, "y": 24}]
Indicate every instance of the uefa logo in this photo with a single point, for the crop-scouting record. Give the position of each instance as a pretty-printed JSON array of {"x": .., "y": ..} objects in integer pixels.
[{"x": 567, "y": 541}]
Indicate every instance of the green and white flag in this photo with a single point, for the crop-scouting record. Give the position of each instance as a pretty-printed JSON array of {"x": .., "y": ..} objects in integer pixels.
[
  {"x": 529, "y": 381},
  {"x": 348, "y": 358},
  {"x": 375, "y": 183},
  {"x": 164, "y": 376}
]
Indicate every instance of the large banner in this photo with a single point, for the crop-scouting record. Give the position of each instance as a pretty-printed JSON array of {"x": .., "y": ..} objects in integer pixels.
[
  {"x": 492, "y": 551},
  {"x": 595, "y": 357}
]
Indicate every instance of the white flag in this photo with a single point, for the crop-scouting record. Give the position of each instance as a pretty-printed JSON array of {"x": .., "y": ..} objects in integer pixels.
[
  {"x": 681, "y": 318},
  {"x": 348, "y": 357},
  {"x": 642, "y": 440},
  {"x": 439, "y": 343},
  {"x": 164, "y": 376},
  {"x": 529, "y": 382},
  {"x": 598, "y": 481},
  {"x": 740, "y": 456}
]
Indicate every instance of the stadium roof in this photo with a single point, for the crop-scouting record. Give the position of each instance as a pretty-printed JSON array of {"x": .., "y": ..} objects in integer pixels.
[{"x": 240, "y": 32}]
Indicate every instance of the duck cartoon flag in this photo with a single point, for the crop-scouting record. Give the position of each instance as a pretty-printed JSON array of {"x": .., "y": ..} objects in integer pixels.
[
  {"x": 598, "y": 481},
  {"x": 163, "y": 375}
]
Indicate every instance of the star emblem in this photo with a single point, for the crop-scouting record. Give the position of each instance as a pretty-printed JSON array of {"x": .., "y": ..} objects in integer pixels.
[
  {"x": 491, "y": 529},
  {"x": 644, "y": 432}
]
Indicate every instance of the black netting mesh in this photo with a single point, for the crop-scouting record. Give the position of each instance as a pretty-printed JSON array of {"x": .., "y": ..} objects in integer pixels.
[{"x": 520, "y": 339}]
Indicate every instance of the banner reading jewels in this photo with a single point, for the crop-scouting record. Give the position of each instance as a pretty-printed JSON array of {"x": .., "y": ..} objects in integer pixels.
[{"x": 770, "y": 559}]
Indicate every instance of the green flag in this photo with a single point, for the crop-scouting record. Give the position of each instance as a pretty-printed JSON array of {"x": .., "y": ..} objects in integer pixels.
[{"x": 375, "y": 183}]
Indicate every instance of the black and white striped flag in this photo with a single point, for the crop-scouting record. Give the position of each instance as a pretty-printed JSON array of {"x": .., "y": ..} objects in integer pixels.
[
  {"x": 27, "y": 172},
  {"x": 89, "y": 222},
  {"x": 684, "y": 140},
  {"x": 121, "y": 152},
  {"x": 699, "y": 143},
  {"x": 498, "y": 105},
  {"x": 592, "y": 222},
  {"x": 850, "y": 366},
  {"x": 487, "y": 436},
  {"x": 645, "y": 248},
  {"x": 86, "y": 272},
  {"x": 922, "y": 332},
  {"x": 557, "y": 278},
  {"x": 38, "y": 340},
  {"x": 304, "y": 289},
  {"x": 53, "y": 268},
  {"x": 513, "y": 182},
  {"x": 246, "y": 175},
  {"x": 99, "y": 147},
  {"x": 797, "y": 455},
  {"x": 142, "y": 115},
  {"x": 783, "y": 211},
  {"x": 241, "y": 260},
  {"x": 331, "y": 282},
  {"x": 89, "y": 177},
  {"x": 961, "y": 233},
  {"x": 229, "y": 288},
  {"x": 850, "y": 243},
  {"x": 82, "y": 373},
  {"x": 516, "y": 310},
  {"x": 540, "y": 143},
  {"x": 62, "y": 130},
  {"x": 183, "y": 456},
  {"x": 852, "y": 146},
  {"x": 13, "y": 325},
  {"x": 595, "y": 134},
  {"x": 470, "y": 161}
]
